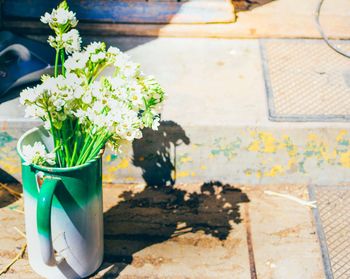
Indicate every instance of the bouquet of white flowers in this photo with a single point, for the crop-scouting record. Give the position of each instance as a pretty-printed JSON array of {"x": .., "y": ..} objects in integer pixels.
[{"x": 82, "y": 109}]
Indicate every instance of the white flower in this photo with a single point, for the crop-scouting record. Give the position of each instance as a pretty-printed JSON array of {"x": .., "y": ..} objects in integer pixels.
[
  {"x": 28, "y": 95},
  {"x": 87, "y": 98},
  {"x": 97, "y": 57},
  {"x": 71, "y": 41},
  {"x": 54, "y": 42},
  {"x": 59, "y": 17},
  {"x": 62, "y": 16},
  {"x": 33, "y": 111},
  {"x": 77, "y": 61},
  {"x": 50, "y": 158},
  {"x": 46, "y": 18},
  {"x": 95, "y": 47},
  {"x": 37, "y": 154},
  {"x": 122, "y": 60},
  {"x": 114, "y": 51}
]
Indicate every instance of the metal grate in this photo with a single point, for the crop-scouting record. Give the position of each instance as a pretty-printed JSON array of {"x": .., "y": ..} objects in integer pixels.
[
  {"x": 333, "y": 225},
  {"x": 306, "y": 80}
]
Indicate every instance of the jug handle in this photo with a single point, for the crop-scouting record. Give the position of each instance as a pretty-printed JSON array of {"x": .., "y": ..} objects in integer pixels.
[{"x": 43, "y": 214}]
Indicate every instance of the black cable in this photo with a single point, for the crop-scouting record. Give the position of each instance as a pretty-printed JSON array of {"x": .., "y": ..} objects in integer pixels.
[{"x": 323, "y": 34}]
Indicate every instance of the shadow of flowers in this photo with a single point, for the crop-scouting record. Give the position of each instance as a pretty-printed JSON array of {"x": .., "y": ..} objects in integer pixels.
[{"x": 161, "y": 210}]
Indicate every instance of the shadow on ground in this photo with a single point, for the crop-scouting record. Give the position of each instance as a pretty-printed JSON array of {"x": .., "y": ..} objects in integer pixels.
[
  {"x": 6, "y": 180},
  {"x": 162, "y": 210}
]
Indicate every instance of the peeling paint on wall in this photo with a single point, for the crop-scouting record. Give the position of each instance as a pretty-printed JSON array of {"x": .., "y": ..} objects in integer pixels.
[
  {"x": 5, "y": 138},
  {"x": 241, "y": 154},
  {"x": 227, "y": 149}
]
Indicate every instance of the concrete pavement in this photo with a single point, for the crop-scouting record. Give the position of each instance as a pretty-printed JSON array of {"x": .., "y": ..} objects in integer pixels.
[
  {"x": 208, "y": 230},
  {"x": 215, "y": 122}
]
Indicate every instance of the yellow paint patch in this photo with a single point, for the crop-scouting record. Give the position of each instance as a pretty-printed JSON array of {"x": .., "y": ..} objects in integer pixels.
[
  {"x": 123, "y": 164},
  {"x": 345, "y": 159},
  {"x": 112, "y": 168},
  {"x": 269, "y": 142},
  {"x": 11, "y": 168},
  {"x": 130, "y": 178},
  {"x": 193, "y": 174},
  {"x": 108, "y": 158},
  {"x": 254, "y": 146},
  {"x": 293, "y": 151},
  {"x": 183, "y": 174},
  {"x": 203, "y": 167},
  {"x": 186, "y": 159},
  {"x": 265, "y": 143},
  {"x": 275, "y": 170},
  {"x": 248, "y": 172},
  {"x": 341, "y": 134},
  {"x": 252, "y": 133},
  {"x": 312, "y": 137},
  {"x": 292, "y": 163},
  {"x": 107, "y": 177}
]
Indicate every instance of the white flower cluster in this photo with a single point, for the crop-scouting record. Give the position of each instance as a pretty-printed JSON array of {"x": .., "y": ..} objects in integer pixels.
[
  {"x": 37, "y": 154},
  {"x": 84, "y": 109},
  {"x": 122, "y": 104},
  {"x": 60, "y": 18},
  {"x": 54, "y": 99},
  {"x": 70, "y": 41},
  {"x": 82, "y": 62}
]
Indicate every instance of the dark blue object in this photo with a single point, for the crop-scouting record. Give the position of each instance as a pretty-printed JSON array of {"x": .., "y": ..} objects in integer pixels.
[{"x": 22, "y": 61}]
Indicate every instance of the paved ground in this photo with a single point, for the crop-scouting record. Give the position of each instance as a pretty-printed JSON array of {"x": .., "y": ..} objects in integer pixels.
[{"x": 192, "y": 231}]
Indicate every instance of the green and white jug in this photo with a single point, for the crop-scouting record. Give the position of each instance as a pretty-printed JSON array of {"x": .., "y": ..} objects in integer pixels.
[{"x": 63, "y": 214}]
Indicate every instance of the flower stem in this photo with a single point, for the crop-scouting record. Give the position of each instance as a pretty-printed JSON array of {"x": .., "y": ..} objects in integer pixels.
[
  {"x": 55, "y": 140},
  {"x": 65, "y": 143},
  {"x": 60, "y": 150},
  {"x": 98, "y": 72},
  {"x": 87, "y": 141},
  {"x": 62, "y": 62},
  {"x": 87, "y": 151},
  {"x": 75, "y": 144},
  {"x": 99, "y": 144},
  {"x": 56, "y": 62}
]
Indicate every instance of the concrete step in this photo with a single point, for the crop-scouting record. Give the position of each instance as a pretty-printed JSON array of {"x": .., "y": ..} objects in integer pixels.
[{"x": 215, "y": 123}]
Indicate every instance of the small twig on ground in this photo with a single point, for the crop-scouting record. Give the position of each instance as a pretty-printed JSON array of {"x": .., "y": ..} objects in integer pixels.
[
  {"x": 11, "y": 191},
  {"x": 15, "y": 259},
  {"x": 18, "y": 256},
  {"x": 292, "y": 198},
  {"x": 20, "y": 232},
  {"x": 18, "y": 210}
]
